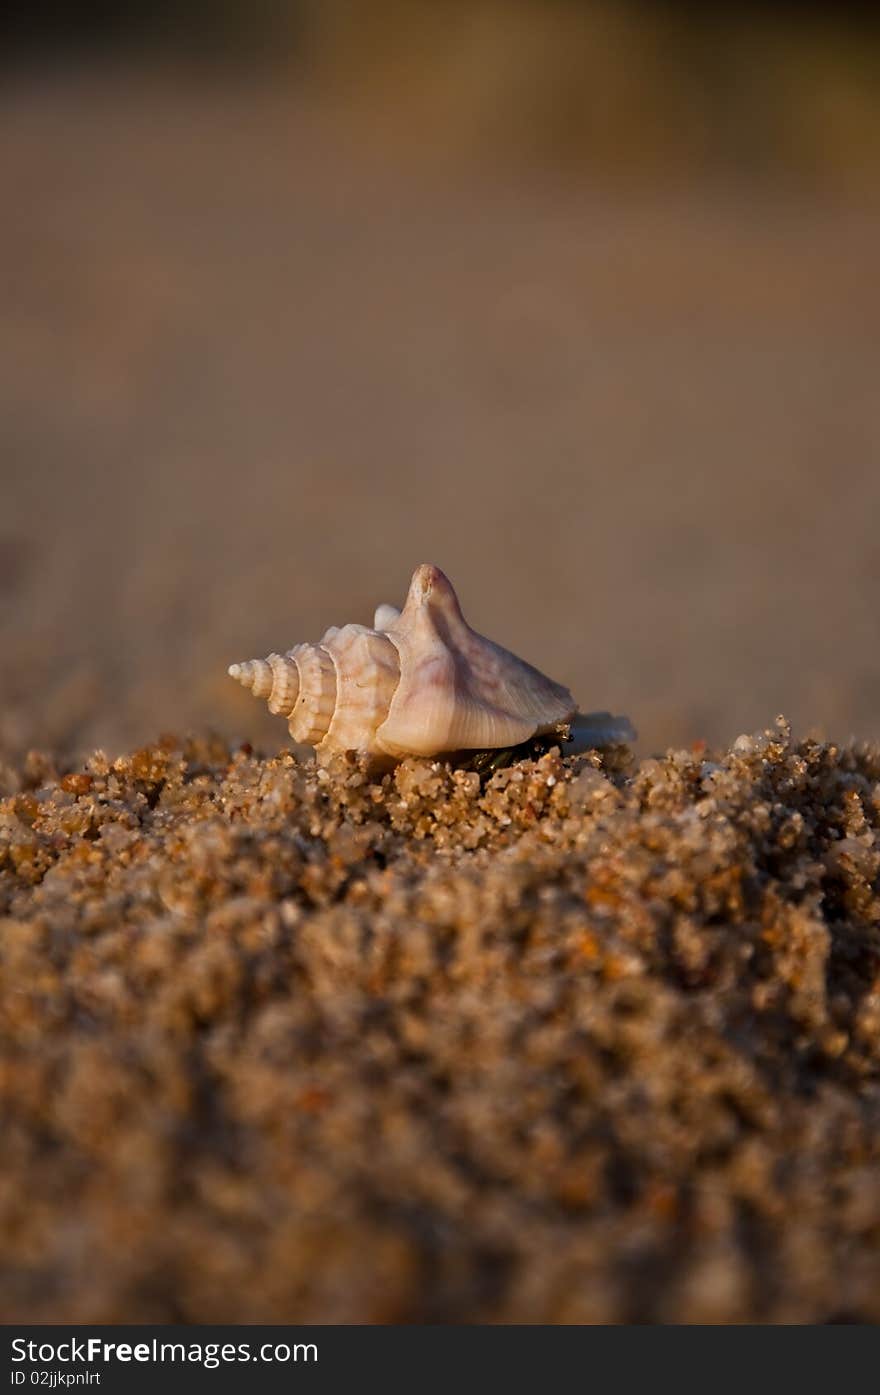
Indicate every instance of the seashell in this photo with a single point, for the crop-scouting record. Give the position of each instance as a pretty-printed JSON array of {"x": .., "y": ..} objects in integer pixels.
[{"x": 420, "y": 682}]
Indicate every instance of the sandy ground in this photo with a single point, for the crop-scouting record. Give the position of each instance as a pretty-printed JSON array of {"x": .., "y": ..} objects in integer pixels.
[
  {"x": 596, "y": 1040},
  {"x": 586, "y": 1043}
]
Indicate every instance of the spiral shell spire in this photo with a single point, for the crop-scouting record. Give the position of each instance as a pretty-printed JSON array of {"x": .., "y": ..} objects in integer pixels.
[
  {"x": 254, "y": 674},
  {"x": 275, "y": 678}
]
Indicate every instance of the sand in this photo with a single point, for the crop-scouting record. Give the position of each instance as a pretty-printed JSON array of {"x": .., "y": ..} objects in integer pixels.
[{"x": 594, "y": 1040}]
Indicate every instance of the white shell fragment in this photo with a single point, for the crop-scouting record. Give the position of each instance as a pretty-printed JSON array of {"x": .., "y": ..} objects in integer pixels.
[
  {"x": 421, "y": 682},
  {"x": 385, "y": 616}
]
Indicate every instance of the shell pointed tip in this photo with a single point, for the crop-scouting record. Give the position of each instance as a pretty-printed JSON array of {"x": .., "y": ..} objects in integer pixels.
[
  {"x": 427, "y": 575},
  {"x": 430, "y": 585}
]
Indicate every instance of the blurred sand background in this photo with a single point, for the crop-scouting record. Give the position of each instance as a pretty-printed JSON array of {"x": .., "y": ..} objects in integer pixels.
[{"x": 579, "y": 302}]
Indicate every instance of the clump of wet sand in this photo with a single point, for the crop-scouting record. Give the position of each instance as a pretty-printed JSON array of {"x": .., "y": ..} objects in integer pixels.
[{"x": 586, "y": 1040}]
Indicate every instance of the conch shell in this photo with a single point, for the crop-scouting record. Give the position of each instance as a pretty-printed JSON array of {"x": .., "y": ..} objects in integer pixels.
[{"x": 421, "y": 682}]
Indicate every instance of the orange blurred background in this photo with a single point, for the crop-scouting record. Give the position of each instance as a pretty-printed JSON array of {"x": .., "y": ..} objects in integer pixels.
[{"x": 577, "y": 300}]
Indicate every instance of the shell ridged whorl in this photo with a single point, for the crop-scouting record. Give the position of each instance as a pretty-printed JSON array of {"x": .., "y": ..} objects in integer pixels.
[{"x": 421, "y": 682}]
